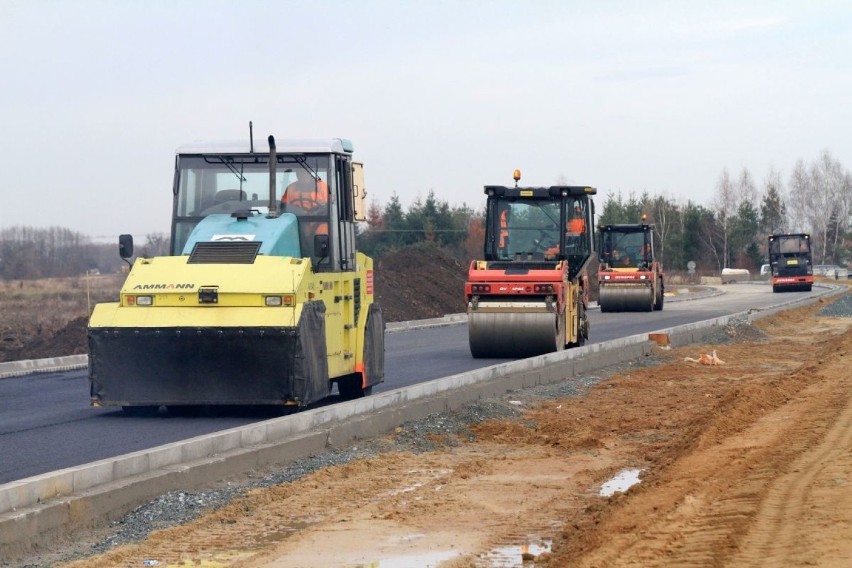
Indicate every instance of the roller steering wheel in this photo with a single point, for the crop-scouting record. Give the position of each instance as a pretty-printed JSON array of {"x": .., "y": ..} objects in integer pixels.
[{"x": 544, "y": 236}]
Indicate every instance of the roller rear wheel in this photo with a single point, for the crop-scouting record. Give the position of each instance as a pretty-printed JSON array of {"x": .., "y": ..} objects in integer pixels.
[{"x": 660, "y": 298}]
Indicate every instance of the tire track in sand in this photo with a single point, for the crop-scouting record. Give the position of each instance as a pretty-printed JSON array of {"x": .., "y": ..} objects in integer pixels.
[{"x": 800, "y": 519}]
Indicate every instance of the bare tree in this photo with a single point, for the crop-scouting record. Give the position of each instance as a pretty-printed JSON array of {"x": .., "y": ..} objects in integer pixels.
[
  {"x": 30, "y": 252},
  {"x": 835, "y": 181},
  {"x": 820, "y": 203},
  {"x": 156, "y": 244},
  {"x": 664, "y": 212},
  {"x": 773, "y": 211},
  {"x": 800, "y": 190},
  {"x": 709, "y": 235},
  {"x": 845, "y": 209},
  {"x": 725, "y": 207},
  {"x": 746, "y": 189},
  {"x": 826, "y": 173},
  {"x": 681, "y": 210}
]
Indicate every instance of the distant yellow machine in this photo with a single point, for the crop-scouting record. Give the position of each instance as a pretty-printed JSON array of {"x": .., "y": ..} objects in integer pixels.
[{"x": 256, "y": 306}]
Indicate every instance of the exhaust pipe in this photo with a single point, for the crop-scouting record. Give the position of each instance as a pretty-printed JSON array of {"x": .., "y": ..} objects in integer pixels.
[{"x": 273, "y": 162}]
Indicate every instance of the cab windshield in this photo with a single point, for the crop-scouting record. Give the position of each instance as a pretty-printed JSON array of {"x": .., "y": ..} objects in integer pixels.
[
  {"x": 793, "y": 244},
  {"x": 527, "y": 228},
  {"x": 212, "y": 184},
  {"x": 624, "y": 249}
]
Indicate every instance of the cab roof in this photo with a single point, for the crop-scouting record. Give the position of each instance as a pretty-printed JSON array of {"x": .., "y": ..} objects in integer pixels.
[
  {"x": 625, "y": 228},
  {"x": 261, "y": 146},
  {"x": 788, "y": 235},
  {"x": 552, "y": 191}
]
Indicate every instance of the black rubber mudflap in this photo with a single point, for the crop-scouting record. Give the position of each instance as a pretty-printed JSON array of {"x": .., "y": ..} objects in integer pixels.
[
  {"x": 374, "y": 346},
  {"x": 310, "y": 357}
]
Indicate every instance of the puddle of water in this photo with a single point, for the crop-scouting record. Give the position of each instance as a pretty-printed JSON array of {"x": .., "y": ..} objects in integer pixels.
[
  {"x": 514, "y": 555},
  {"x": 623, "y": 480},
  {"x": 431, "y": 475}
]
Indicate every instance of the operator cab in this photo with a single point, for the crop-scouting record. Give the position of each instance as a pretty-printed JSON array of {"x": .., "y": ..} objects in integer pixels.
[
  {"x": 626, "y": 246},
  {"x": 235, "y": 180},
  {"x": 538, "y": 226},
  {"x": 790, "y": 255}
]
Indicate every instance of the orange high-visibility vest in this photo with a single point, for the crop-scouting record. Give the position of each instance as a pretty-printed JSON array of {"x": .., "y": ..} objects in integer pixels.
[
  {"x": 504, "y": 230},
  {"x": 310, "y": 197},
  {"x": 577, "y": 226},
  {"x": 307, "y": 198}
]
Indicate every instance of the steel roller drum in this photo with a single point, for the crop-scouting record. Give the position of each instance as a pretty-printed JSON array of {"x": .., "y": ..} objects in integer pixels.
[
  {"x": 511, "y": 330},
  {"x": 615, "y": 298},
  {"x": 791, "y": 287}
]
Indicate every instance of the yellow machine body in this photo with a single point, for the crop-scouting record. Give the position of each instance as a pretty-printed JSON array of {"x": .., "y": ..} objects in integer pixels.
[{"x": 239, "y": 317}]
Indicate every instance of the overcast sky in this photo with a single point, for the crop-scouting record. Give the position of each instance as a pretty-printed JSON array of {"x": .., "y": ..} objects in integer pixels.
[{"x": 436, "y": 96}]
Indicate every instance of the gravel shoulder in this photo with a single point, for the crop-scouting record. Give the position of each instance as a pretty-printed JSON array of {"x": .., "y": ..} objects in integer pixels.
[{"x": 743, "y": 463}]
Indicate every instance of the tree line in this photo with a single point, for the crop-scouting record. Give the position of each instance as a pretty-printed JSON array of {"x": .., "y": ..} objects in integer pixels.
[
  {"x": 457, "y": 229},
  {"x": 732, "y": 231},
  {"x": 28, "y": 253},
  {"x": 729, "y": 231}
]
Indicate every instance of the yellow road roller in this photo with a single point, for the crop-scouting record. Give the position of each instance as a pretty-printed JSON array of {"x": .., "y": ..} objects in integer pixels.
[{"x": 263, "y": 300}]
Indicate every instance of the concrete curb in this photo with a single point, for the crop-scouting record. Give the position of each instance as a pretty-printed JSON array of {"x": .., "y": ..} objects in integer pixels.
[
  {"x": 50, "y": 365},
  {"x": 51, "y": 506},
  {"x": 449, "y": 319}
]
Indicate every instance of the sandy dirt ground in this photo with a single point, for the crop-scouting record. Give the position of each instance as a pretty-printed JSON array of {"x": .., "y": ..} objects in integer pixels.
[{"x": 745, "y": 463}]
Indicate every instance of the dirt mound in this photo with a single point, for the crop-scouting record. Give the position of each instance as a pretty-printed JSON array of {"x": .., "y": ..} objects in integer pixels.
[
  {"x": 418, "y": 283},
  {"x": 68, "y": 340}
]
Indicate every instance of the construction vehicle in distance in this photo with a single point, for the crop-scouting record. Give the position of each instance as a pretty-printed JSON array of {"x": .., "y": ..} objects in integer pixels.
[
  {"x": 630, "y": 278},
  {"x": 255, "y": 305},
  {"x": 529, "y": 294},
  {"x": 790, "y": 262}
]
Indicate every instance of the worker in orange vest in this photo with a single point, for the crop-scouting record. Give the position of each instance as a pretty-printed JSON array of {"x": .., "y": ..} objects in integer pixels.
[
  {"x": 504, "y": 229},
  {"x": 576, "y": 228},
  {"x": 307, "y": 196},
  {"x": 577, "y": 224}
]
